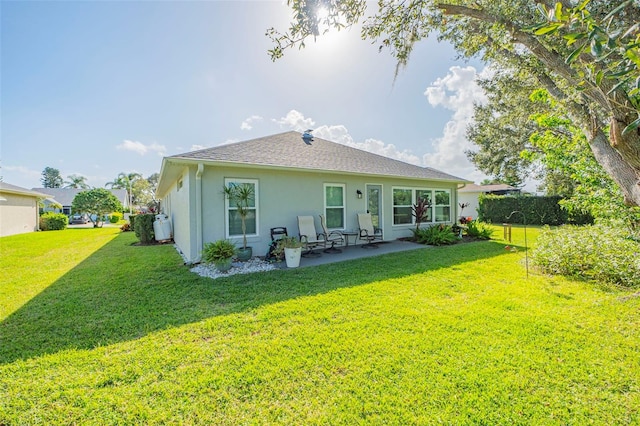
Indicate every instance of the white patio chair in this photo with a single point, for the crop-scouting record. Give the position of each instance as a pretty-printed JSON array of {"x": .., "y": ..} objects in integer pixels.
[
  {"x": 367, "y": 231},
  {"x": 309, "y": 238},
  {"x": 333, "y": 237}
]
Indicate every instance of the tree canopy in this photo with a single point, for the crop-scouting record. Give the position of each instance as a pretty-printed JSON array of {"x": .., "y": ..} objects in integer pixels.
[
  {"x": 77, "y": 182},
  {"x": 96, "y": 202},
  {"x": 586, "y": 56},
  {"x": 51, "y": 178}
]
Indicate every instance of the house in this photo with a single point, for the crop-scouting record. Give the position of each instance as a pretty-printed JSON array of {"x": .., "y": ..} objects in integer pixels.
[
  {"x": 18, "y": 209},
  {"x": 295, "y": 174},
  {"x": 471, "y": 194},
  {"x": 64, "y": 197}
]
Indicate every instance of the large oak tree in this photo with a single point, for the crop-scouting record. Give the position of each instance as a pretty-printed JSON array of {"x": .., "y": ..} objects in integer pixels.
[{"x": 586, "y": 56}]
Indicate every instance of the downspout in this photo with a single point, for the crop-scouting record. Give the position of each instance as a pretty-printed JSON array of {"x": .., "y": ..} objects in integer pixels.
[{"x": 199, "y": 172}]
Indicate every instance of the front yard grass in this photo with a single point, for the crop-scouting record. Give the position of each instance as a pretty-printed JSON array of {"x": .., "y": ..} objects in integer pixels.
[{"x": 94, "y": 330}]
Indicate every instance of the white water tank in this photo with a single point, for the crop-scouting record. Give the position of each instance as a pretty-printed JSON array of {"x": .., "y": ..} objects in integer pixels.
[{"x": 162, "y": 227}]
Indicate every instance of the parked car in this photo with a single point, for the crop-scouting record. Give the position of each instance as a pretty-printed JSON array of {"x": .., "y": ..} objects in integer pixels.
[{"x": 79, "y": 219}]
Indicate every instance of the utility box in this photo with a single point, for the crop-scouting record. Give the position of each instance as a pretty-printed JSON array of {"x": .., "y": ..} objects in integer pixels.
[{"x": 162, "y": 227}]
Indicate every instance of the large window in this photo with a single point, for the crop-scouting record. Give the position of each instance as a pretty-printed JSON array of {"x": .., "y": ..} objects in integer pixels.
[
  {"x": 404, "y": 198},
  {"x": 334, "y": 205},
  {"x": 443, "y": 206},
  {"x": 234, "y": 219}
]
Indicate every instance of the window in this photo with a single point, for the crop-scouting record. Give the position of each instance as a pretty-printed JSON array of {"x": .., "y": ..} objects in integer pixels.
[
  {"x": 404, "y": 198},
  {"x": 443, "y": 206},
  {"x": 334, "y": 205},
  {"x": 234, "y": 219},
  {"x": 427, "y": 195}
]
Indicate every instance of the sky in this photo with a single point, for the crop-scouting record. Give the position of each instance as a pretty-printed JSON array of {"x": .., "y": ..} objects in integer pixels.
[{"x": 100, "y": 88}]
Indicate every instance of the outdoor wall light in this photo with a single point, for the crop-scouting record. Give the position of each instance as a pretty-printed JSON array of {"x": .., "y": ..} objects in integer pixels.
[{"x": 359, "y": 193}]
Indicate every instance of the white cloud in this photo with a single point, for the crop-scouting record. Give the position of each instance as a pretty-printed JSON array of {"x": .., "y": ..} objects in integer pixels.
[
  {"x": 248, "y": 123},
  {"x": 458, "y": 91},
  {"x": 141, "y": 148},
  {"x": 294, "y": 120},
  {"x": 197, "y": 147}
]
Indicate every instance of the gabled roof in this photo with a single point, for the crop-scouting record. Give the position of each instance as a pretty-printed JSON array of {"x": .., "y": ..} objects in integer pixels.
[
  {"x": 288, "y": 150},
  {"x": 502, "y": 187},
  {"x": 13, "y": 189},
  {"x": 65, "y": 196}
]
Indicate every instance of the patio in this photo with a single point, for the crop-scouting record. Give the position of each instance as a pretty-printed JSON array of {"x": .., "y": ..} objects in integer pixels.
[{"x": 357, "y": 252}]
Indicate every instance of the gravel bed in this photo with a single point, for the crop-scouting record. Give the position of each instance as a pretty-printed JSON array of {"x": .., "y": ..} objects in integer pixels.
[
  {"x": 248, "y": 267},
  {"x": 209, "y": 270}
]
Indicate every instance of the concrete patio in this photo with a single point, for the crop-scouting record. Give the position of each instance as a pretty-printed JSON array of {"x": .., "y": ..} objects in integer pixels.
[{"x": 357, "y": 252}]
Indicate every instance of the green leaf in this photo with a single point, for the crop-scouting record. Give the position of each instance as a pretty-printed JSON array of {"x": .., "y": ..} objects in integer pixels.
[
  {"x": 573, "y": 37},
  {"x": 596, "y": 48},
  {"x": 574, "y": 55},
  {"x": 631, "y": 127},
  {"x": 558, "y": 12},
  {"x": 548, "y": 29}
]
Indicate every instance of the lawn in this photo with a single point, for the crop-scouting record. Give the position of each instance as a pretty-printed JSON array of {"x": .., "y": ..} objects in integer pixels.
[{"x": 95, "y": 330}]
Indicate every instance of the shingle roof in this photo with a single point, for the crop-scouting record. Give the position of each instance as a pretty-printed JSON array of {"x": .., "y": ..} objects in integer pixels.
[
  {"x": 7, "y": 187},
  {"x": 488, "y": 188},
  {"x": 288, "y": 150},
  {"x": 65, "y": 196}
]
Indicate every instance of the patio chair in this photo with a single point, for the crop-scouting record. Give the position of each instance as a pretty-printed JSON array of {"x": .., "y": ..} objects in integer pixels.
[
  {"x": 367, "y": 231},
  {"x": 333, "y": 237},
  {"x": 309, "y": 238}
]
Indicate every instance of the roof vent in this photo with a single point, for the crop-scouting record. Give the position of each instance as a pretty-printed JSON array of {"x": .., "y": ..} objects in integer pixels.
[{"x": 307, "y": 137}]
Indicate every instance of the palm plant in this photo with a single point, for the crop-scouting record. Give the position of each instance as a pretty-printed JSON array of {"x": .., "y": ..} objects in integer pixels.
[
  {"x": 241, "y": 196},
  {"x": 77, "y": 182}
]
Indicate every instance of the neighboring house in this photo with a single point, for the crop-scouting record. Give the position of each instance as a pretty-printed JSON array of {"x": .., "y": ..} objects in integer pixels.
[
  {"x": 292, "y": 177},
  {"x": 471, "y": 193},
  {"x": 18, "y": 209},
  {"x": 65, "y": 196}
]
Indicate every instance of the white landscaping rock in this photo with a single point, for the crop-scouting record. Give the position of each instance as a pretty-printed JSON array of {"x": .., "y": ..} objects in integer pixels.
[{"x": 248, "y": 267}]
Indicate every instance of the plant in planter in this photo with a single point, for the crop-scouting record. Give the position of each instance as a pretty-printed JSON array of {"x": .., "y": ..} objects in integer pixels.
[
  {"x": 220, "y": 254},
  {"x": 420, "y": 211},
  {"x": 241, "y": 196},
  {"x": 292, "y": 251}
]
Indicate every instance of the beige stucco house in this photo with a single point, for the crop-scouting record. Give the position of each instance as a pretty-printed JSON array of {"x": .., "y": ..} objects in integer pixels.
[
  {"x": 294, "y": 176},
  {"x": 19, "y": 211}
]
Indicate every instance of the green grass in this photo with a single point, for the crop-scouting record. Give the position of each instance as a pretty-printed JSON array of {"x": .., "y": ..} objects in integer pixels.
[{"x": 123, "y": 334}]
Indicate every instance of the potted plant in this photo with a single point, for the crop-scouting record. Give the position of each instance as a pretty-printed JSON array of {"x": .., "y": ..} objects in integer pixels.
[
  {"x": 241, "y": 196},
  {"x": 220, "y": 254},
  {"x": 292, "y": 251}
]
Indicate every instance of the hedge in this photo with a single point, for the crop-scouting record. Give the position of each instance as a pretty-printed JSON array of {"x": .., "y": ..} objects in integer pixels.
[
  {"x": 50, "y": 221},
  {"x": 538, "y": 210},
  {"x": 143, "y": 227}
]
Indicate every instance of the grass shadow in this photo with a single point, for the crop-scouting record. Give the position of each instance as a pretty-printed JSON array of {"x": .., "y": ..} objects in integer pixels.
[{"x": 123, "y": 292}]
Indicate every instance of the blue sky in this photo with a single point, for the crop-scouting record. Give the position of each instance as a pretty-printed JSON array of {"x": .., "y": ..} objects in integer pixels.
[{"x": 98, "y": 88}]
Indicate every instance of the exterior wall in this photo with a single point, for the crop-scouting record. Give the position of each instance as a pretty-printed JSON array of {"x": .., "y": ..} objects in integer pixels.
[
  {"x": 178, "y": 206},
  {"x": 18, "y": 214},
  {"x": 472, "y": 209},
  {"x": 284, "y": 195}
]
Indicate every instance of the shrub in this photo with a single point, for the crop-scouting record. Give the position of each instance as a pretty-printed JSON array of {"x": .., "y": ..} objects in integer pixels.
[
  {"x": 132, "y": 219},
  {"x": 479, "y": 230},
  {"x": 218, "y": 251},
  {"x": 597, "y": 252},
  {"x": 143, "y": 227},
  {"x": 115, "y": 217},
  {"x": 538, "y": 210},
  {"x": 50, "y": 221},
  {"x": 436, "y": 235},
  {"x": 126, "y": 227}
]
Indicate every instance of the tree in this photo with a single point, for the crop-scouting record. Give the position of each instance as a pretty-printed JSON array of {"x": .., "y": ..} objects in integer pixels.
[
  {"x": 125, "y": 181},
  {"x": 77, "y": 182},
  {"x": 51, "y": 178},
  {"x": 96, "y": 202},
  {"x": 533, "y": 37}
]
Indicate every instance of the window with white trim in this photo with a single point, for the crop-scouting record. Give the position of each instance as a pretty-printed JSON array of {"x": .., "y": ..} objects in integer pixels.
[
  {"x": 443, "y": 205},
  {"x": 233, "y": 217},
  {"x": 402, "y": 200},
  {"x": 334, "y": 208},
  {"x": 405, "y": 198}
]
